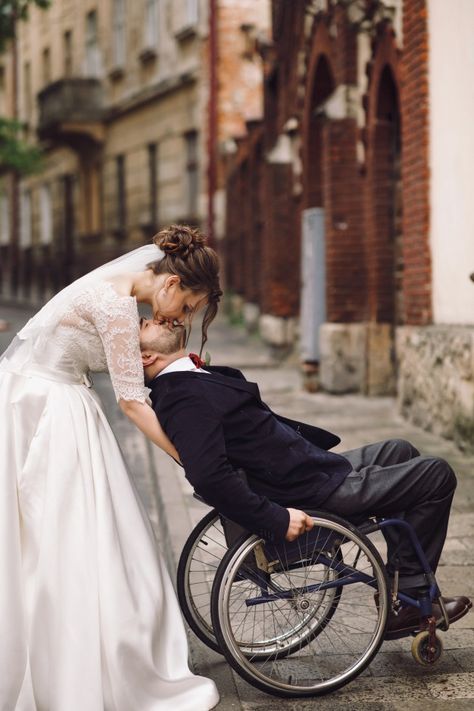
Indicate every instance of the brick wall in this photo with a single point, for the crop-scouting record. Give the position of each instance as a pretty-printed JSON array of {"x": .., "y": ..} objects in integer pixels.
[
  {"x": 331, "y": 177},
  {"x": 380, "y": 260},
  {"x": 342, "y": 186},
  {"x": 378, "y": 256},
  {"x": 415, "y": 171},
  {"x": 280, "y": 255},
  {"x": 231, "y": 259},
  {"x": 382, "y": 182},
  {"x": 245, "y": 218},
  {"x": 345, "y": 49},
  {"x": 240, "y": 67},
  {"x": 255, "y": 220},
  {"x": 288, "y": 41}
]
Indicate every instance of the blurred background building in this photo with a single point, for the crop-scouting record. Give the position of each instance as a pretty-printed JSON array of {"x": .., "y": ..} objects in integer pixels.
[
  {"x": 132, "y": 102},
  {"x": 325, "y": 145},
  {"x": 350, "y": 222}
]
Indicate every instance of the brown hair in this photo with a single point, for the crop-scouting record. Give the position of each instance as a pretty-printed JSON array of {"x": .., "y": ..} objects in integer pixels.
[
  {"x": 197, "y": 265},
  {"x": 168, "y": 341}
]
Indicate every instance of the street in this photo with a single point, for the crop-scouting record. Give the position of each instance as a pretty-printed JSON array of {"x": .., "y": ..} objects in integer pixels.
[{"x": 393, "y": 681}]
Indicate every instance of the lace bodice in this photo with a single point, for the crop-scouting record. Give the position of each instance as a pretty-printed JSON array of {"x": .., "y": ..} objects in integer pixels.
[{"x": 100, "y": 332}]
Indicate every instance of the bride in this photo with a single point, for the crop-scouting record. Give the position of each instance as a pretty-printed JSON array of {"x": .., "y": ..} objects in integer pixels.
[{"x": 88, "y": 616}]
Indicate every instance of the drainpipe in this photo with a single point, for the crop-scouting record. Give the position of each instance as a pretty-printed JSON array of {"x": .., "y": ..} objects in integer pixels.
[{"x": 212, "y": 122}]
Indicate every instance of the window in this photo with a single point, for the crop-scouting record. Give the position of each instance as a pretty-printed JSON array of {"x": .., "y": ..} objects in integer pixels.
[
  {"x": 46, "y": 215},
  {"x": 191, "y": 174},
  {"x": 153, "y": 183},
  {"x": 151, "y": 23},
  {"x": 25, "y": 219},
  {"x": 191, "y": 12},
  {"x": 93, "y": 62},
  {"x": 118, "y": 47},
  {"x": 4, "y": 220},
  {"x": 46, "y": 66},
  {"x": 67, "y": 49},
  {"x": 121, "y": 196},
  {"x": 186, "y": 16}
]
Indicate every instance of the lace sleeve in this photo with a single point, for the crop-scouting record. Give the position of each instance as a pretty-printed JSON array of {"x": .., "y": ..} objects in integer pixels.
[{"x": 116, "y": 320}]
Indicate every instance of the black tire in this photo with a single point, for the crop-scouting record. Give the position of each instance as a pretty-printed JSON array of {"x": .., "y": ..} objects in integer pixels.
[
  {"x": 352, "y": 623},
  {"x": 197, "y": 612},
  {"x": 423, "y": 652}
]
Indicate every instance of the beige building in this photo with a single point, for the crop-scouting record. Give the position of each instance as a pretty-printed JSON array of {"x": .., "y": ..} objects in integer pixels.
[{"x": 132, "y": 102}]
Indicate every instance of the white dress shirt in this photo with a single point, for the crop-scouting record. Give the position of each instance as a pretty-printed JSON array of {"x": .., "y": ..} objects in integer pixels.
[{"x": 181, "y": 364}]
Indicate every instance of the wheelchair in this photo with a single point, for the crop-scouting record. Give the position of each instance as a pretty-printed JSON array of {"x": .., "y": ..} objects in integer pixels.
[{"x": 303, "y": 618}]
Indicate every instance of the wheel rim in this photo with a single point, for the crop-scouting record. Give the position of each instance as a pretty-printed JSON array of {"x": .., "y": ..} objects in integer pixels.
[
  {"x": 312, "y": 615},
  {"x": 199, "y": 571},
  {"x": 421, "y": 651},
  {"x": 338, "y": 642}
]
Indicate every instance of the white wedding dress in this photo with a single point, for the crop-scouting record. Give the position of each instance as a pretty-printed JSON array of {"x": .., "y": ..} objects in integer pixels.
[{"x": 88, "y": 616}]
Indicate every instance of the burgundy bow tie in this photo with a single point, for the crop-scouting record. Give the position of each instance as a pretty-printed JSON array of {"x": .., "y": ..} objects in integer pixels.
[{"x": 198, "y": 362}]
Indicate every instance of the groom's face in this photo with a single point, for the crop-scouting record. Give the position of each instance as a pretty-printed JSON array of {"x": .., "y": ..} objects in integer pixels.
[{"x": 161, "y": 338}]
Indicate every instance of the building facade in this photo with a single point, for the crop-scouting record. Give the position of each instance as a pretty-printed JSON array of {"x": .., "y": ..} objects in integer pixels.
[
  {"x": 350, "y": 221},
  {"x": 132, "y": 102}
]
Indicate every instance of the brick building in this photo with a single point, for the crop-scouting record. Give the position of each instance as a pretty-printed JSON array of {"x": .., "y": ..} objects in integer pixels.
[
  {"x": 350, "y": 213},
  {"x": 133, "y": 103}
]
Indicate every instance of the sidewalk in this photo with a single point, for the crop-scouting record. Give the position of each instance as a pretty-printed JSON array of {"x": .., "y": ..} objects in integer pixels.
[{"x": 393, "y": 681}]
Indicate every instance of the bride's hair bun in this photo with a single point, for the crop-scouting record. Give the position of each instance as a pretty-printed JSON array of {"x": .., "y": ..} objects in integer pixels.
[
  {"x": 179, "y": 240},
  {"x": 186, "y": 255}
]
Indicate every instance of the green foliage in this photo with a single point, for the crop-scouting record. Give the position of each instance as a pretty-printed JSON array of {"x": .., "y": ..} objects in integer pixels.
[
  {"x": 15, "y": 154},
  {"x": 10, "y": 12}
]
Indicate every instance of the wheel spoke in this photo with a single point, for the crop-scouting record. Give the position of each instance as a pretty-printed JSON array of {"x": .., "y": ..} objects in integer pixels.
[{"x": 301, "y": 638}]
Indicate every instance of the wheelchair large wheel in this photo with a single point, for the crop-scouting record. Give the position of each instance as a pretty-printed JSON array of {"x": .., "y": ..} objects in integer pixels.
[
  {"x": 318, "y": 607},
  {"x": 200, "y": 557},
  {"x": 198, "y": 563}
]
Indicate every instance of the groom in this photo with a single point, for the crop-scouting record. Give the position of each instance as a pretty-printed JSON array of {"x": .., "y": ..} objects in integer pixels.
[{"x": 219, "y": 423}]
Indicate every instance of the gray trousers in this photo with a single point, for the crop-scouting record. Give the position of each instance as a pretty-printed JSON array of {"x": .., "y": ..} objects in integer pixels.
[{"x": 391, "y": 479}]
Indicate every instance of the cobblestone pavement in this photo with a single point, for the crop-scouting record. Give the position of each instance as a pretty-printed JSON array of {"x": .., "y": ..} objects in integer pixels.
[{"x": 393, "y": 681}]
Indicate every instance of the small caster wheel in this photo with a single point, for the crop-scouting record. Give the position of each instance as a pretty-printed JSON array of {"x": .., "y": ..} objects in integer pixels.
[{"x": 424, "y": 651}]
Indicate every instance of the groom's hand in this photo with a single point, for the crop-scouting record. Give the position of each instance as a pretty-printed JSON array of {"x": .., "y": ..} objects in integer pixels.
[{"x": 299, "y": 523}]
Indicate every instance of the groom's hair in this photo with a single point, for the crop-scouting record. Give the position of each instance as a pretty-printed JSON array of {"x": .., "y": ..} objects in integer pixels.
[{"x": 167, "y": 342}]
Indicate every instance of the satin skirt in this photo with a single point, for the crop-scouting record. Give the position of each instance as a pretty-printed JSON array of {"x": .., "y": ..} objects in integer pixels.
[{"x": 89, "y": 620}]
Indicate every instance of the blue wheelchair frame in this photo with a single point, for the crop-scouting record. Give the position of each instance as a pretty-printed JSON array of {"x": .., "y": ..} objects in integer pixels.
[
  {"x": 333, "y": 567},
  {"x": 351, "y": 575}
]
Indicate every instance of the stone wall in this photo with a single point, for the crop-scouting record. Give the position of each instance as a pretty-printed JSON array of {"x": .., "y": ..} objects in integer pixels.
[
  {"x": 436, "y": 380},
  {"x": 357, "y": 357}
]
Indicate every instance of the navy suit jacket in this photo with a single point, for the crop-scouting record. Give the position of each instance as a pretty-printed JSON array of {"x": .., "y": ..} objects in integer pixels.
[{"x": 219, "y": 423}]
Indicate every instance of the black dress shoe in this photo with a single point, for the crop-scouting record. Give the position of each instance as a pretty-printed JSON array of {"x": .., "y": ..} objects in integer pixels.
[{"x": 408, "y": 618}]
